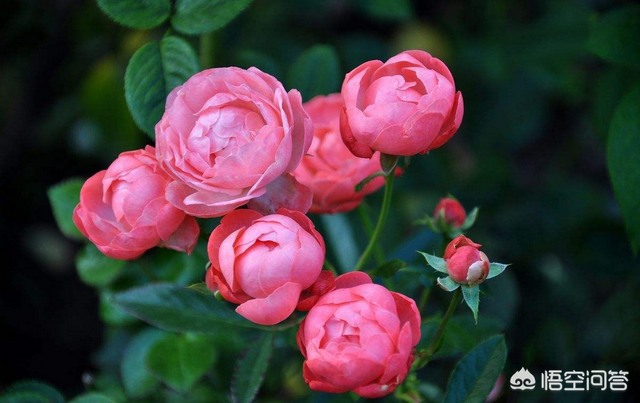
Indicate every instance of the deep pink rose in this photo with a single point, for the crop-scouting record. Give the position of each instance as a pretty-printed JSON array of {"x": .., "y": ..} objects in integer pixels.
[
  {"x": 228, "y": 136},
  {"x": 452, "y": 212},
  {"x": 406, "y": 106},
  {"x": 264, "y": 263},
  {"x": 466, "y": 264},
  {"x": 329, "y": 169},
  {"x": 359, "y": 337},
  {"x": 123, "y": 210}
]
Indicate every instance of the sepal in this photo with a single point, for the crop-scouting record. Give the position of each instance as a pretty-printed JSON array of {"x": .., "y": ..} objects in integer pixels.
[
  {"x": 436, "y": 262},
  {"x": 471, "y": 296},
  {"x": 495, "y": 269},
  {"x": 447, "y": 284}
]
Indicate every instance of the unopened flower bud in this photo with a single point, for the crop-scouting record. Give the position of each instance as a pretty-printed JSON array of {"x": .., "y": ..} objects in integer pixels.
[
  {"x": 465, "y": 263},
  {"x": 451, "y": 212}
]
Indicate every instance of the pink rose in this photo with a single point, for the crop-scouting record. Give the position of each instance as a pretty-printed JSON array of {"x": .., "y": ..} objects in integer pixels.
[
  {"x": 359, "y": 337},
  {"x": 264, "y": 263},
  {"x": 329, "y": 169},
  {"x": 227, "y": 136},
  {"x": 406, "y": 106},
  {"x": 123, "y": 210},
  {"x": 465, "y": 263}
]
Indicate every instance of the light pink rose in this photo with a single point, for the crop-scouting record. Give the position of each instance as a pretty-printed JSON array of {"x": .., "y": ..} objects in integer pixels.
[
  {"x": 329, "y": 169},
  {"x": 123, "y": 210},
  {"x": 406, "y": 106},
  {"x": 227, "y": 136},
  {"x": 264, "y": 263},
  {"x": 360, "y": 337}
]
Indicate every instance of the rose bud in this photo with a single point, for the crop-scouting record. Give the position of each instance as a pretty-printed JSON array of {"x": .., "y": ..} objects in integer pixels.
[
  {"x": 465, "y": 263},
  {"x": 329, "y": 169},
  {"x": 406, "y": 106},
  {"x": 263, "y": 263},
  {"x": 123, "y": 210},
  {"x": 359, "y": 337},
  {"x": 229, "y": 136},
  {"x": 451, "y": 211}
]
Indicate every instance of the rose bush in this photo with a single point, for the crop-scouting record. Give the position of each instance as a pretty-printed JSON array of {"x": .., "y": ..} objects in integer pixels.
[
  {"x": 359, "y": 337},
  {"x": 123, "y": 210},
  {"x": 465, "y": 263},
  {"x": 263, "y": 263},
  {"x": 329, "y": 169},
  {"x": 226, "y": 136},
  {"x": 405, "y": 106}
]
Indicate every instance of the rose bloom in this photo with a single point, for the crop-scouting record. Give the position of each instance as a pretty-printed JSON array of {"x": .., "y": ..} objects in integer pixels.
[
  {"x": 465, "y": 263},
  {"x": 406, "y": 106},
  {"x": 452, "y": 211},
  {"x": 263, "y": 263},
  {"x": 123, "y": 210},
  {"x": 329, "y": 169},
  {"x": 227, "y": 136},
  {"x": 359, "y": 337}
]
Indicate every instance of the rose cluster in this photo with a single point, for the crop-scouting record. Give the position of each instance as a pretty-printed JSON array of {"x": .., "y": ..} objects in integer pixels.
[{"x": 231, "y": 138}]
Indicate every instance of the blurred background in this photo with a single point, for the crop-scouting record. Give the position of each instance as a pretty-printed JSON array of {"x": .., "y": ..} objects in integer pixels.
[{"x": 530, "y": 153}]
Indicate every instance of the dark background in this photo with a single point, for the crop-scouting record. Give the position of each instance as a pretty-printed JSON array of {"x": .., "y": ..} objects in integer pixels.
[{"x": 530, "y": 153}]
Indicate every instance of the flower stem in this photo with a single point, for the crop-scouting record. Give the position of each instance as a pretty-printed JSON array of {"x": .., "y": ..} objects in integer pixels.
[
  {"x": 363, "y": 212},
  {"x": 207, "y": 42},
  {"x": 384, "y": 212},
  {"x": 425, "y": 355}
]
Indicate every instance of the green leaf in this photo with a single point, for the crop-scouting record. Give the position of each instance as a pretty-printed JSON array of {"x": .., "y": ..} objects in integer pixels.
[
  {"x": 614, "y": 36},
  {"x": 93, "y": 398},
  {"x": 388, "y": 269},
  {"x": 472, "y": 298},
  {"x": 137, "y": 379},
  {"x": 180, "y": 309},
  {"x": 23, "y": 397},
  {"x": 153, "y": 71},
  {"x": 477, "y": 372},
  {"x": 447, "y": 283},
  {"x": 64, "y": 197},
  {"x": 387, "y": 10},
  {"x": 623, "y": 158},
  {"x": 436, "y": 262},
  {"x": 461, "y": 335},
  {"x": 471, "y": 219},
  {"x": 495, "y": 269},
  {"x": 368, "y": 179},
  {"x": 315, "y": 72},
  {"x": 140, "y": 14},
  {"x": 199, "y": 16},
  {"x": 181, "y": 360},
  {"x": 341, "y": 238},
  {"x": 201, "y": 287},
  {"x": 96, "y": 269},
  {"x": 112, "y": 314},
  {"x": 26, "y": 390},
  {"x": 251, "y": 368}
]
